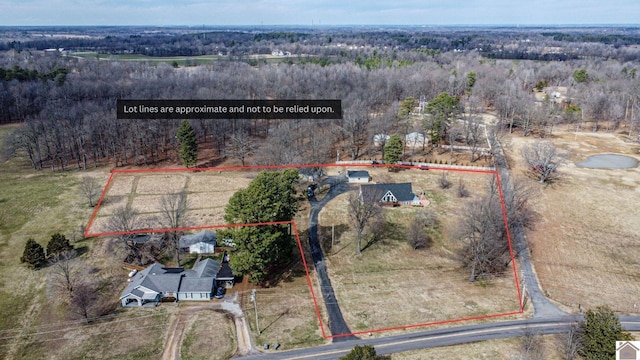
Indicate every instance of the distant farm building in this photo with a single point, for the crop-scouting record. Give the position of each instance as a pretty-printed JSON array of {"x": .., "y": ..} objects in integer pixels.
[{"x": 415, "y": 140}]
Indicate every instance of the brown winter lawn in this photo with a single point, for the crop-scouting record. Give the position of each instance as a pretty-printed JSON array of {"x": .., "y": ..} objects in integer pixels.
[
  {"x": 586, "y": 246},
  {"x": 390, "y": 284},
  {"x": 35, "y": 323},
  {"x": 207, "y": 192}
]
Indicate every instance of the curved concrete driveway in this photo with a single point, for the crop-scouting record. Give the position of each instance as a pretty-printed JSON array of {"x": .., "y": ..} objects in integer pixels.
[{"x": 337, "y": 325}]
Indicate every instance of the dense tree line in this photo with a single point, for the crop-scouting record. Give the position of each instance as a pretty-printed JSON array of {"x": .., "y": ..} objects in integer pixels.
[{"x": 72, "y": 123}]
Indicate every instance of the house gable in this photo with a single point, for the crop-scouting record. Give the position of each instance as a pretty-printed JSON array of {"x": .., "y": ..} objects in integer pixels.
[{"x": 401, "y": 193}]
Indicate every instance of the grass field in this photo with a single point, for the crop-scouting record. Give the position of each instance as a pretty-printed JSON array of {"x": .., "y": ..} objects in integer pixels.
[
  {"x": 392, "y": 285},
  {"x": 585, "y": 246},
  {"x": 485, "y": 350},
  {"x": 204, "y": 340},
  {"x": 34, "y": 322},
  {"x": 207, "y": 195}
]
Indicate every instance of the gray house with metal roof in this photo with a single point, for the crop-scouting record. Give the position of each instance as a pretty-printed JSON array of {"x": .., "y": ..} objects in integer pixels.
[
  {"x": 155, "y": 282},
  {"x": 389, "y": 194}
]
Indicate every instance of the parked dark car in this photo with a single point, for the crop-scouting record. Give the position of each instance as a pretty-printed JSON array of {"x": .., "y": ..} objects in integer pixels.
[{"x": 219, "y": 292}]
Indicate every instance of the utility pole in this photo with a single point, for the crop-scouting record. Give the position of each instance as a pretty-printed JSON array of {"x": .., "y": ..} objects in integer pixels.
[
  {"x": 255, "y": 306},
  {"x": 332, "y": 235}
]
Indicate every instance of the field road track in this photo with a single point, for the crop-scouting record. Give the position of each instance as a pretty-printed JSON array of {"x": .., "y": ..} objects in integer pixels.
[
  {"x": 186, "y": 313},
  {"x": 337, "y": 324}
]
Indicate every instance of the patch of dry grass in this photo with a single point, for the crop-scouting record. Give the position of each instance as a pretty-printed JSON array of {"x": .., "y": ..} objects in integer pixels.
[
  {"x": 207, "y": 195},
  {"x": 286, "y": 314},
  {"x": 208, "y": 336},
  {"x": 390, "y": 284},
  {"x": 160, "y": 183},
  {"x": 121, "y": 185},
  {"x": 208, "y": 200},
  {"x": 225, "y": 181},
  {"x": 489, "y": 350},
  {"x": 111, "y": 203},
  {"x": 585, "y": 246}
]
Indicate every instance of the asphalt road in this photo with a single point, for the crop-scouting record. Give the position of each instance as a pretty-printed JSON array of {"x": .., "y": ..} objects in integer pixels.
[
  {"x": 442, "y": 337},
  {"x": 337, "y": 325}
]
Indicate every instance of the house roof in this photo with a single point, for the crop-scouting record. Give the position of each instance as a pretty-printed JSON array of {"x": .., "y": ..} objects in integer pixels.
[
  {"x": 357, "y": 174},
  {"x": 402, "y": 191},
  {"x": 225, "y": 272},
  {"x": 205, "y": 236},
  {"x": 207, "y": 268},
  {"x": 159, "y": 279}
]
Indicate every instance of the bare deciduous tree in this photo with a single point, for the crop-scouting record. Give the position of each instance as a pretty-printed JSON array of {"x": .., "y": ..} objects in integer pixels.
[
  {"x": 531, "y": 346},
  {"x": 242, "y": 145},
  {"x": 362, "y": 209},
  {"x": 354, "y": 125},
  {"x": 543, "y": 159},
  {"x": 569, "y": 342},
  {"x": 444, "y": 181},
  {"x": 90, "y": 188},
  {"x": 173, "y": 215},
  {"x": 64, "y": 271},
  {"x": 83, "y": 300},
  {"x": 123, "y": 221},
  {"x": 462, "y": 189},
  {"x": 482, "y": 232},
  {"x": 417, "y": 234}
]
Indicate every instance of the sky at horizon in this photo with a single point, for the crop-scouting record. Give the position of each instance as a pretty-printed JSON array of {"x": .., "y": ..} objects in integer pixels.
[{"x": 329, "y": 12}]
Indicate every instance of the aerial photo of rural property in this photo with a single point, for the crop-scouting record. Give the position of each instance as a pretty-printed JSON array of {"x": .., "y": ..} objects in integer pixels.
[{"x": 320, "y": 180}]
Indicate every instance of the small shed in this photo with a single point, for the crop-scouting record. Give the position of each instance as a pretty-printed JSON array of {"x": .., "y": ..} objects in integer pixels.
[
  {"x": 203, "y": 242},
  {"x": 358, "y": 176}
]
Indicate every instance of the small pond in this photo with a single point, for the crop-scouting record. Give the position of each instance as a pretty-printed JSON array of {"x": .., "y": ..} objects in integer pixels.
[{"x": 609, "y": 161}]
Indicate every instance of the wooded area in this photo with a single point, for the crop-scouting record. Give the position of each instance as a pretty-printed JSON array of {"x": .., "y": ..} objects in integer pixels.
[{"x": 67, "y": 103}]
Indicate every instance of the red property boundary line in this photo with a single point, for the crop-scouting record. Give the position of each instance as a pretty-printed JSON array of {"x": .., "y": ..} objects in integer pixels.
[{"x": 88, "y": 233}]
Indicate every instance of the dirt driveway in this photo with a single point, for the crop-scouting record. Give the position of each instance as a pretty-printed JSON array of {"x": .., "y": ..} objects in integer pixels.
[{"x": 187, "y": 313}]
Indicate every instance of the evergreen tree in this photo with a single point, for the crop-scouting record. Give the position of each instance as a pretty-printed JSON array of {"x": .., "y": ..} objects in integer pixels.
[
  {"x": 600, "y": 330},
  {"x": 33, "y": 254},
  {"x": 471, "y": 80},
  {"x": 188, "y": 145},
  {"x": 366, "y": 352},
  {"x": 441, "y": 110},
  {"x": 581, "y": 75},
  {"x": 393, "y": 149},
  {"x": 58, "y": 244},
  {"x": 270, "y": 197}
]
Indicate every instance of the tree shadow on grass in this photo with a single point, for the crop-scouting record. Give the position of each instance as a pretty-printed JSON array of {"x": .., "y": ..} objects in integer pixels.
[
  {"x": 325, "y": 235},
  {"x": 283, "y": 313},
  {"x": 386, "y": 234}
]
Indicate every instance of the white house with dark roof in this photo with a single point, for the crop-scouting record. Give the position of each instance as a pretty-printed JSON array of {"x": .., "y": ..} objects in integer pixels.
[
  {"x": 389, "y": 194},
  {"x": 155, "y": 282},
  {"x": 203, "y": 242}
]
